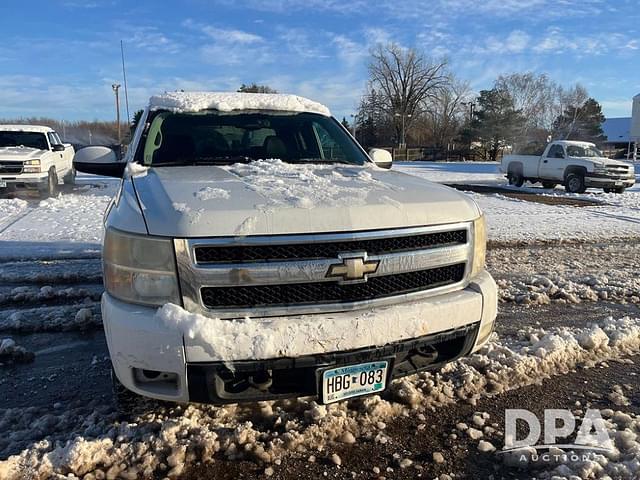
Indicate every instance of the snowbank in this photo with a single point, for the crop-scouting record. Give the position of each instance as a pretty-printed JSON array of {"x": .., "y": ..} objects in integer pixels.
[
  {"x": 229, "y": 101},
  {"x": 167, "y": 440}
]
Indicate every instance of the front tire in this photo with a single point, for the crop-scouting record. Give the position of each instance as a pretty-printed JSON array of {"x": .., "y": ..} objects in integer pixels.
[
  {"x": 516, "y": 179},
  {"x": 50, "y": 189},
  {"x": 70, "y": 177},
  {"x": 574, "y": 183}
]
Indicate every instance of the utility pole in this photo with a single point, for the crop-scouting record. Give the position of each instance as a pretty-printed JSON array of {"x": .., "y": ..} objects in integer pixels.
[{"x": 115, "y": 87}]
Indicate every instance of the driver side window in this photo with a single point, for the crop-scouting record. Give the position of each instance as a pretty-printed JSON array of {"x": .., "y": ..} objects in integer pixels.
[{"x": 556, "y": 151}]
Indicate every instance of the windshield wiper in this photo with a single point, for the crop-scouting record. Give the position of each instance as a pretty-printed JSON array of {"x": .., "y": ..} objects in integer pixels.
[
  {"x": 204, "y": 161},
  {"x": 221, "y": 160}
]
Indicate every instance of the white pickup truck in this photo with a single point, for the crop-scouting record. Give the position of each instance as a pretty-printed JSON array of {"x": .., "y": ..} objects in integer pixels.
[
  {"x": 33, "y": 156},
  {"x": 310, "y": 272},
  {"x": 576, "y": 165}
]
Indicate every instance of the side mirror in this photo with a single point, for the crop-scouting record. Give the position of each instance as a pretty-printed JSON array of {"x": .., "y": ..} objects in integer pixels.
[
  {"x": 381, "y": 157},
  {"x": 58, "y": 147},
  {"x": 98, "y": 161}
]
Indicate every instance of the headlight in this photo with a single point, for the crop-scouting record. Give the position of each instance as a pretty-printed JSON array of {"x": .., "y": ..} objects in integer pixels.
[
  {"x": 479, "y": 245},
  {"x": 140, "y": 269},
  {"x": 31, "y": 166}
]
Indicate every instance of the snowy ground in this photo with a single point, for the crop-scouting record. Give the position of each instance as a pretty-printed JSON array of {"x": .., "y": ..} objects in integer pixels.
[
  {"x": 67, "y": 226},
  {"x": 568, "y": 336},
  {"x": 512, "y": 219}
]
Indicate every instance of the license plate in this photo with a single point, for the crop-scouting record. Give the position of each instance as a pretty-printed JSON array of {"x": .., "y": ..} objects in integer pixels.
[
  {"x": 353, "y": 380},
  {"x": 3, "y": 184},
  {"x": 618, "y": 184}
]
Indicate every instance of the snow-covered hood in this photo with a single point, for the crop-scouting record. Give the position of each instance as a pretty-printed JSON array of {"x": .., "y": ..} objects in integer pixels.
[
  {"x": 20, "y": 153},
  {"x": 270, "y": 197}
]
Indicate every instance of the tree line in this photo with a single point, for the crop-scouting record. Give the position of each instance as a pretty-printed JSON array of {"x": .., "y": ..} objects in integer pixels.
[{"x": 414, "y": 100}]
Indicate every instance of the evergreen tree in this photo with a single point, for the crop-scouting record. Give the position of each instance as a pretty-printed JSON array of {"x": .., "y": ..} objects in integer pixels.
[
  {"x": 581, "y": 123},
  {"x": 496, "y": 123}
]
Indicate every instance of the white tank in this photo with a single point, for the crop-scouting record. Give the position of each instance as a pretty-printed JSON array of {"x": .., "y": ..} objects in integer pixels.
[{"x": 635, "y": 119}]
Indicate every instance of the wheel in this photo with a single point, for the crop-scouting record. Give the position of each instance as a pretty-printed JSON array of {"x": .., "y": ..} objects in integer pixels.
[
  {"x": 70, "y": 177},
  {"x": 574, "y": 183},
  {"x": 50, "y": 189},
  {"x": 516, "y": 179},
  {"x": 549, "y": 185}
]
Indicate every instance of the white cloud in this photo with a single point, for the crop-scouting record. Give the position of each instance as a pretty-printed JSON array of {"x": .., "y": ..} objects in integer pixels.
[
  {"x": 231, "y": 36},
  {"x": 517, "y": 41}
]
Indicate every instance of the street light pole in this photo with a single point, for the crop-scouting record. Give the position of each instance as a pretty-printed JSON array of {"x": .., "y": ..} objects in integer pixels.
[
  {"x": 403, "y": 140},
  {"x": 115, "y": 87}
]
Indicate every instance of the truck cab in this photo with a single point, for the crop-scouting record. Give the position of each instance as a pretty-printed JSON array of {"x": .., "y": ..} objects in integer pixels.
[
  {"x": 576, "y": 165},
  {"x": 34, "y": 157}
]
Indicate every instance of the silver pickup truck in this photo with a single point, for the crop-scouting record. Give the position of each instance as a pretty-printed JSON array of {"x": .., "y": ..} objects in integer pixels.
[{"x": 255, "y": 251}]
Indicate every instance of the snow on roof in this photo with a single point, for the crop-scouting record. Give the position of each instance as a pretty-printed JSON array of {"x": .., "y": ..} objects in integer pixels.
[
  {"x": 574, "y": 142},
  {"x": 25, "y": 128},
  {"x": 617, "y": 130},
  {"x": 229, "y": 101}
]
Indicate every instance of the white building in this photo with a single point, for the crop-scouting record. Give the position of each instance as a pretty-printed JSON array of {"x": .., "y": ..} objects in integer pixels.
[{"x": 623, "y": 133}]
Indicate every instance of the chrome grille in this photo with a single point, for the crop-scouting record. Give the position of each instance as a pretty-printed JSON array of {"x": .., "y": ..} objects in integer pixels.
[
  {"x": 377, "y": 246},
  {"x": 257, "y": 276},
  {"x": 618, "y": 171},
  {"x": 9, "y": 167},
  {"x": 330, "y": 292}
]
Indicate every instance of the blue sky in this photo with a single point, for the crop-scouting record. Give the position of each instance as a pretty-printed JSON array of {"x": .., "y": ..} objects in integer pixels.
[{"x": 58, "y": 58}]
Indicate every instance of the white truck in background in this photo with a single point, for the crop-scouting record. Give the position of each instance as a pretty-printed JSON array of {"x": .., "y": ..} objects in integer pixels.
[
  {"x": 33, "y": 156},
  {"x": 576, "y": 165}
]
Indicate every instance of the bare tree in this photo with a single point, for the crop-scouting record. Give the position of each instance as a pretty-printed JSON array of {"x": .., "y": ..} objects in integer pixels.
[
  {"x": 569, "y": 105},
  {"x": 535, "y": 96},
  {"x": 406, "y": 80},
  {"x": 447, "y": 112}
]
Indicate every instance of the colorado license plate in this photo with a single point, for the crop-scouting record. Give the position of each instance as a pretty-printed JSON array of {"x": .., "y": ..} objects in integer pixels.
[
  {"x": 354, "y": 380},
  {"x": 3, "y": 184}
]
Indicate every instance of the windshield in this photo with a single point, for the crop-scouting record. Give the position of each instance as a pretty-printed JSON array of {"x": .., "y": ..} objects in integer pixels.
[
  {"x": 587, "y": 151},
  {"x": 25, "y": 139},
  {"x": 225, "y": 138}
]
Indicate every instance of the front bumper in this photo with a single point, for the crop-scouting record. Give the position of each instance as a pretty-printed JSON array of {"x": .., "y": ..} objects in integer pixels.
[
  {"x": 24, "y": 179},
  {"x": 605, "y": 181},
  {"x": 150, "y": 358}
]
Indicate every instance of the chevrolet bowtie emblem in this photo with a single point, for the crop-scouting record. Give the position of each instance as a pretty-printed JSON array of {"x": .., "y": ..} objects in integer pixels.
[{"x": 355, "y": 268}]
